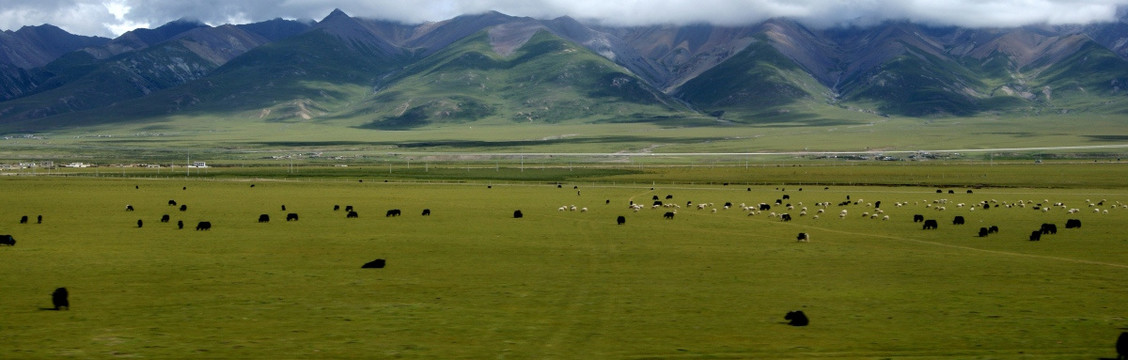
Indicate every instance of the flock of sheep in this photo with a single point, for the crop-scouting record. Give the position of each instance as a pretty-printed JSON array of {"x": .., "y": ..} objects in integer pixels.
[{"x": 782, "y": 209}]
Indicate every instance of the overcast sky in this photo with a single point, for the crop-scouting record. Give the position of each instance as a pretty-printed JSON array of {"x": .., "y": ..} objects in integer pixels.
[{"x": 110, "y": 18}]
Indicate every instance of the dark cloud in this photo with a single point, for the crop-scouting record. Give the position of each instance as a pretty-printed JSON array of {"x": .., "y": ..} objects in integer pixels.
[{"x": 111, "y": 17}]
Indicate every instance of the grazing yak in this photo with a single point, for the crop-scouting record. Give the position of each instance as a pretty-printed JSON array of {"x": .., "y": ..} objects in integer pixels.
[
  {"x": 993, "y": 229},
  {"x": 292, "y": 217},
  {"x": 426, "y": 212},
  {"x": 930, "y": 224},
  {"x": 785, "y": 217},
  {"x": 1048, "y": 229},
  {"x": 39, "y": 219},
  {"x": 918, "y": 218},
  {"x": 983, "y": 232},
  {"x": 621, "y": 220},
  {"x": 129, "y": 208},
  {"x": 264, "y": 218},
  {"x": 348, "y": 208},
  {"x": 283, "y": 207},
  {"x": 203, "y": 225},
  {"x": 180, "y": 224},
  {"x": 172, "y": 203},
  {"x": 392, "y": 212},
  {"x": 374, "y": 264},
  {"x": 352, "y": 215},
  {"x": 1073, "y": 224},
  {"x": 796, "y": 318},
  {"x": 1035, "y": 235},
  {"x": 1122, "y": 346},
  {"x": 164, "y": 218},
  {"x": 517, "y": 214},
  {"x": 183, "y": 207},
  {"x": 668, "y": 215},
  {"x": 803, "y": 237},
  {"x": 7, "y": 240},
  {"x": 139, "y": 223},
  {"x": 23, "y": 219},
  {"x": 958, "y": 220},
  {"x": 336, "y": 207},
  {"x": 59, "y": 299}
]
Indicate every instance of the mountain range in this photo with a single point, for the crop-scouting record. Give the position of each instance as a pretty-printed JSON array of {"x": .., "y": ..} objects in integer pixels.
[{"x": 372, "y": 74}]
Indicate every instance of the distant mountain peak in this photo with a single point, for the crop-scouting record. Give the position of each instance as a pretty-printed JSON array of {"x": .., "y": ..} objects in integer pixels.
[{"x": 336, "y": 14}]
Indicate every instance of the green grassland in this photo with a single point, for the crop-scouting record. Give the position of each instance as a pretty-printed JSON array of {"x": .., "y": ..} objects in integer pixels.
[{"x": 472, "y": 282}]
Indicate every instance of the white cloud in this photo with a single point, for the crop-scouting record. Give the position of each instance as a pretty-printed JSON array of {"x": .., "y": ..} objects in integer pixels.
[{"x": 111, "y": 17}]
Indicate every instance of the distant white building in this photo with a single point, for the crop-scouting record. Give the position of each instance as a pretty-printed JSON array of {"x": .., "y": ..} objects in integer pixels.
[
  {"x": 199, "y": 165},
  {"x": 78, "y": 165}
]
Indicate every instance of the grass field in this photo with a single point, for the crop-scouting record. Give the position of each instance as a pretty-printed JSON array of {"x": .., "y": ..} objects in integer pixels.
[{"x": 471, "y": 282}]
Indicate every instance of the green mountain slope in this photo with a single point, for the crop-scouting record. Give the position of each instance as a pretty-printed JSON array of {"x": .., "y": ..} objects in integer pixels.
[
  {"x": 546, "y": 80},
  {"x": 756, "y": 85}
]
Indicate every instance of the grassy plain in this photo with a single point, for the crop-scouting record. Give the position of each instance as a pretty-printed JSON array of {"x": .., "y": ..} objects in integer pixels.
[{"x": 471, "y": 282}]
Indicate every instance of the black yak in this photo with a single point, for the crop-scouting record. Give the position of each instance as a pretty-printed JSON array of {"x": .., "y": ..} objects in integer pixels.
[
  {"x": 292, "y": 217},
  {"x": 164, "y": 218},
  {"x": 668, "y": 215},
  {"x": 918, "y": 218},
  {"x": 621, "y": 220},
  {"x": 958, "y": 220},
  {"x": 1073, "y": 223},
  {"x": 392, "y": 212},
  {"x": 426, "y": 212},
  {"x": 930, "y": 224},
  {"x": 517, "y": 214},
  {"x": 203, "y": 225},
  {"x": 803, "y": 237},
  {"x": 7, "y": 240},
  {"x": 1048, "y": 229},
  {"x": 59, "y": 299},
  {"x": 264, "y": 218},
  {"x": 1122, "y": 346},
  {"x": 352, "y": 215},
  {"x": 374, "y": 264},
  {"x": 796, "y": 318}
]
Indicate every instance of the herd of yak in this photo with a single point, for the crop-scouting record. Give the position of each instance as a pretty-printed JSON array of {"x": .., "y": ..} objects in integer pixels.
[{"x": 797, "y": 318}]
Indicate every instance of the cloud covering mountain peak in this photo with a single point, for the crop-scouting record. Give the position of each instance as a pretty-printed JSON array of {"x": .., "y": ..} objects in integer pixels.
[{"x": 112, "y": 17}]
